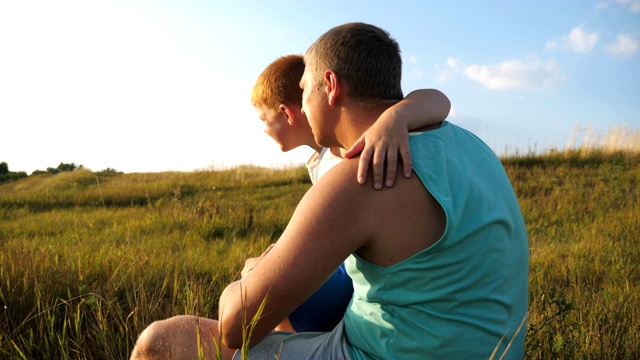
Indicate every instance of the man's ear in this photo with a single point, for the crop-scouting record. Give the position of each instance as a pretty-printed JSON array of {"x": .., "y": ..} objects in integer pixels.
[
  {"x": 332, "y": 83},
  {"x": 288, "y": 113}
]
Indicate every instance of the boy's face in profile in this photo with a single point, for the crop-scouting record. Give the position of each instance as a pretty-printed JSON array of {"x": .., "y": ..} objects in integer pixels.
[{"x": 277, "y": 126}]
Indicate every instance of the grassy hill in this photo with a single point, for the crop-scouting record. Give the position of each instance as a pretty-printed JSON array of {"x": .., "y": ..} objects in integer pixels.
[{"x": 87, "y": 260}]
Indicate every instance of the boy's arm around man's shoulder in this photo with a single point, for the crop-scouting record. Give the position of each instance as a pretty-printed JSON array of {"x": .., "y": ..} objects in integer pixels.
[{"x": 325, "y": 228}]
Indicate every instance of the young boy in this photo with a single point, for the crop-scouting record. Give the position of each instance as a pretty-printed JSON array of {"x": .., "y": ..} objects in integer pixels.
[{"x": 277, "y": 98}]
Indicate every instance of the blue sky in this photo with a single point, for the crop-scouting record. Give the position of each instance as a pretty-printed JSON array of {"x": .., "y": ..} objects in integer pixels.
[{"x": 145, "y": 86}]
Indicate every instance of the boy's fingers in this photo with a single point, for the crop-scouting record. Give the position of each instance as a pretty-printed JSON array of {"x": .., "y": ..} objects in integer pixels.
[
  {"x": 250, "y": 263},
  {"x": 363, "y": 165},
  {"x": 392, "y": 163},
  {"x": 378, "y": 168},
  {"x": 356, "y": 148},
  {"x": 267, "y": 250},
  {"x": 407, "y": 165}
]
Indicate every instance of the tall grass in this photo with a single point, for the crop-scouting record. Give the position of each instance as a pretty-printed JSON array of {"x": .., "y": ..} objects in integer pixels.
[
  {"x": 614, "y": 139},
  {"x": 87, "y": 263},
  {"x": 582, "y": 215},
  {"x": 85, "y": 268}
]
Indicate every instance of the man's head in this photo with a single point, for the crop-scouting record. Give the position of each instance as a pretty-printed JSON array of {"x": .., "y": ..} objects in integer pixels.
[
  {"x": 365, "y": 57},
  {"x": 277, "y": 98},
  {"x": 354, "y": 61}
]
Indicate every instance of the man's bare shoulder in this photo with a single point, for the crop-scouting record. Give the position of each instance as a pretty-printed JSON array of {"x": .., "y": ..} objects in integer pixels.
[
  {"x": 337, "y": 194},
  {"x": 405, "y": 213},
  {"x": 341, "y": 177},
  {"x": 338, "y": 189}
]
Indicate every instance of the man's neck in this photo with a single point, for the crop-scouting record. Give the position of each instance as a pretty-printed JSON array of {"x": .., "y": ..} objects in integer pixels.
[
  {"x": 338, "y": 151},
  {"x": 356, "y": 121},
  {"x": 314, "y": 145}
]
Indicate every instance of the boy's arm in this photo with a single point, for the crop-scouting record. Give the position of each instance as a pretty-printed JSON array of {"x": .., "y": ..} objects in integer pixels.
[{"x": 390, "y": 134}]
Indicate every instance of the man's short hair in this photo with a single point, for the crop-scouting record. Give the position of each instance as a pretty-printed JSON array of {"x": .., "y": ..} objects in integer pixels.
[
  {"x": 365, "y": 57},
  {"x": 279, "y": 83}
]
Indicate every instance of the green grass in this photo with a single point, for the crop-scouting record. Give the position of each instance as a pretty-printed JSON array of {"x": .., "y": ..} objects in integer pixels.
[
  {"x": 583, "y": 220},
  {"x": 87, "y": 262}
]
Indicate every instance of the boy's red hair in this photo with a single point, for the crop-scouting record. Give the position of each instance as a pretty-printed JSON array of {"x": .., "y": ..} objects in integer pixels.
[{"x": 279, "y": 83}]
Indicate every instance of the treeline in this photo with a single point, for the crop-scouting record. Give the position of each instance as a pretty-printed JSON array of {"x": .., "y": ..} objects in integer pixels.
[
  {"x": 61, "y": 168},
  {"x": 6, "y": 175}
]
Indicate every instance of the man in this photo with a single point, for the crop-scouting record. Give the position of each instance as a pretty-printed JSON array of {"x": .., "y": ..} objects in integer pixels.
[{"x": 439, "y": 262}]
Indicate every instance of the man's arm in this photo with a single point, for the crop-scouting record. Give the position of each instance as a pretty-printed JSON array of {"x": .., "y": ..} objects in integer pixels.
[
  {"x": 389, "y": 134},
  {"x": 335, "y": 218},
  {"x": 321, "y": 234}
]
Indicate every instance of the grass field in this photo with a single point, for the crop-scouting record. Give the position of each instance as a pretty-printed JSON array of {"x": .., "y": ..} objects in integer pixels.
[{"x": 87, "y": 260}]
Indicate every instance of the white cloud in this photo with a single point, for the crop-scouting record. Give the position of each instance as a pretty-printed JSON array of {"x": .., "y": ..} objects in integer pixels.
[
  {"x": 623, "y": 47},
  {"x": 444, "y": 76},
  {"x": 453, "y": 63},
  {"x": 412, "y": 68},
  {"x": 551, "y": 45},
  {"x": 580, "y": 40},
  {"x": 516, "y": 74},
  {"x": 632, "y": 5},
  {"x": 448, "y": 70}
]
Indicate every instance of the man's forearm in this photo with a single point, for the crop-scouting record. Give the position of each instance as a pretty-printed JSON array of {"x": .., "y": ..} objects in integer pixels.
[{"x": 230, "y": 315}]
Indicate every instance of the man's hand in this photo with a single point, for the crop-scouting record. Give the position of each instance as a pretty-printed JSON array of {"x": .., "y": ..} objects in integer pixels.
[{"x": 250, "y": 263}]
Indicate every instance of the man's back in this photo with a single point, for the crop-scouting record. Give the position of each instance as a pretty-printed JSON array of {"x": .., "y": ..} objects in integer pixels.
[{"x": 463, "y": 294}]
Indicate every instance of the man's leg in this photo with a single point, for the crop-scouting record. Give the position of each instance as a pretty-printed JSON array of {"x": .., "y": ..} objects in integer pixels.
[{"x": 180, "y": 338}]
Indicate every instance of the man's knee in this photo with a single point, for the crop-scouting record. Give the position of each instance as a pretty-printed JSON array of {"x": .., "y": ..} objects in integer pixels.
[{"x": 153, "y": 342}]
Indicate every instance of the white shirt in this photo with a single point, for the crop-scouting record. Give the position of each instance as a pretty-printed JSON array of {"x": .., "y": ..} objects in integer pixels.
[{"x": 320, "y": 164}]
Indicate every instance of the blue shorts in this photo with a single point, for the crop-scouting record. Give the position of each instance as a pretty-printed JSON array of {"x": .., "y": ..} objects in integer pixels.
[
  {"x": 325, "y": 308},
  {"x": 284, "y": 345}
]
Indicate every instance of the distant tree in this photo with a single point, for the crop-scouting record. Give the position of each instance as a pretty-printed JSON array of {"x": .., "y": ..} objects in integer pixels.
[
  {"x": 67, "y": 167},
  {"x": 6, "y": 175},
  {"x": 62, "y": 167},
  {"x": 17, "y": 175},
  {"x": 108, "y": 171}
]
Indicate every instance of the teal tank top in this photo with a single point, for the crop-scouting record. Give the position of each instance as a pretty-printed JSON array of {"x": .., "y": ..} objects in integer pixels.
[{"x": 466, "y": 295}]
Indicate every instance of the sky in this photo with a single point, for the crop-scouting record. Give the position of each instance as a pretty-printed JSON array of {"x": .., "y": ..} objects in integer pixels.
[{"x": 149, "y": 86}]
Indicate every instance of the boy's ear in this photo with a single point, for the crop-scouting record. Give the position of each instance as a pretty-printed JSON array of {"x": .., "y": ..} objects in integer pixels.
[
  {"x": 332, "y": 84},
  {"x": 288, "y": 113}
]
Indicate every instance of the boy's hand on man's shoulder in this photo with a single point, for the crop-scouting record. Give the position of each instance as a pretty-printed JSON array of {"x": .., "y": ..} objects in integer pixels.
[{"x": 384, "y": 157}]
